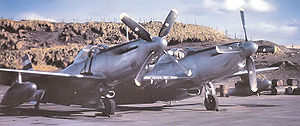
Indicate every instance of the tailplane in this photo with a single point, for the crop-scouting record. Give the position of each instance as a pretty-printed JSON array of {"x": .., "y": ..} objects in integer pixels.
[{"x": 26, "y": 63}]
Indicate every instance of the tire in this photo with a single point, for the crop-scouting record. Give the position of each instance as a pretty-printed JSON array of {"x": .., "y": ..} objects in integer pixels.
[
  {"x": 37, "y": 106},
  {"x": 289, "y": 91},
  {"x": 211, "y": 103},
  {"x": 273, "y": 91},
  {"x": 110, "y": 106}
]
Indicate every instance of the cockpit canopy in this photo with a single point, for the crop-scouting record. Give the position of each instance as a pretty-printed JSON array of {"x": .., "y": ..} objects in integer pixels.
[
  {"x": 177, "y": 53},
  {"x": 83, "y": 55}
]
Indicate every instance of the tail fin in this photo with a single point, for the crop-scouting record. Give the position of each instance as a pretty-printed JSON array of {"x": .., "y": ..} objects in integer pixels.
[{"x": 26, "y": 63}]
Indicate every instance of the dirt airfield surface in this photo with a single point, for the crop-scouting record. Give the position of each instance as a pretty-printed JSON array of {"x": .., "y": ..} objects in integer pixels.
[{"x": 268, "y": 110}]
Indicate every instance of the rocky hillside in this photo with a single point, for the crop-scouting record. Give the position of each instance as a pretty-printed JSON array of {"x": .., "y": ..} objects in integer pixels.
[
  {"x": 55, "y": 45},
  {"x": 16, "y": 35}
]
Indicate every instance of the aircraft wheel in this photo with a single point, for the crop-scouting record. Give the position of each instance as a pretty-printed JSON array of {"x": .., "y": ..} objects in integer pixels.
[
  {"x": 211, "y": 102},
  {"x": 37, "y": 106},
  {"x": 110, "y": 106},
  {"x": 289, "y": 91}
]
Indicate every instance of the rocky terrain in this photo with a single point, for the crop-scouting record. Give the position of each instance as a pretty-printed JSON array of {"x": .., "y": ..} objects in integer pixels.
[{"x": 54, "y": 45}]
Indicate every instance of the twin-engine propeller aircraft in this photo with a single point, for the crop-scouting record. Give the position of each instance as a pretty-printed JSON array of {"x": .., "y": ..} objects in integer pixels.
[
  {"x": 182, "y": 73},
  {"x": 89, "y": 80}
]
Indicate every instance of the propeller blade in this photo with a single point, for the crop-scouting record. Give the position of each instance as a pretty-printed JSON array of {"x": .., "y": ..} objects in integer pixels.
[
  {"x": 228, "y": 49},
  {"x": 140, "y": 76},
  {"x": 243, "y": 23},
  {"x": 186, "y": 70},
  {"x": 166, "y": 27},
  {"x": 251, "y": 73},
  {"x": 135, "y": 27}
]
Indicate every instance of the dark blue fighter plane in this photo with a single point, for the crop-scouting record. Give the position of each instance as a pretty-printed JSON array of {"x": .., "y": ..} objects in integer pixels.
[
  {"x": 90, "y": 79},
  {"x": 182, "y": 73}
]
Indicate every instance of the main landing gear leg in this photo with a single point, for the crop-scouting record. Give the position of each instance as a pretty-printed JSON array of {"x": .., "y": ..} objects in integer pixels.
[
  {"x": 106, "y": 106},
  {"x": 210, "y": 101},
  {"x": 109, "y": 106},
  {"x": 39, "y": 94},
  {"x": 106, "y": 103}
]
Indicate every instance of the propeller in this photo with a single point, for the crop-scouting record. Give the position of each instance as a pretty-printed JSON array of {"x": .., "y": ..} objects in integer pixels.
[
  {"x": 139, "y": 78},
  {"x": 249, "y": 60},
  {"x": 166, "y": 27},
  {"x": 145, "y": 35},
  {"x": 186, "y": 70},
  {"x": 251, "y": 73},
  {"x": 243, "y": 23},
  {"x": 231, "y": 49},
  {"x": 135, "y": 27}
]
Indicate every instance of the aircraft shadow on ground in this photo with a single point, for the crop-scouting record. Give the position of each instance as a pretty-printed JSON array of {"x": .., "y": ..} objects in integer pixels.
[
  {"x": 131, "y": 108},
  {"x": 258, "y": 105},
  {"x": 65, "y": 114},
  {"x": 6, "y": 111},
  {"x": 153, "y": 108}
]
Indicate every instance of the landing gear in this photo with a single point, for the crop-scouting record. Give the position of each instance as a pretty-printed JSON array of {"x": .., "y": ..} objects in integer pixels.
[
  {"x": 109, "y": 106},
  {"x": 38, "y": 96},
  {"x": 210, "y": 101},
  {"x": 37, "y": 105},
  {"x": 105, "y": 103}
]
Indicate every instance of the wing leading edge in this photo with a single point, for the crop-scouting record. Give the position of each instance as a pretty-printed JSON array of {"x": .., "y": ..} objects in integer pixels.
[
  {"x": 7, "y": 76},
  {"x": 257, "y": 71}
]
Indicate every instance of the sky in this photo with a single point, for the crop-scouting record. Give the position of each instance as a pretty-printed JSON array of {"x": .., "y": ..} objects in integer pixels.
[{"x": 274, "y": 20}]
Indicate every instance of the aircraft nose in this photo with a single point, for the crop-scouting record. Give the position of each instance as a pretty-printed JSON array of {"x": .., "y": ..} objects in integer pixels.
[{"x": 249, "y": 48}]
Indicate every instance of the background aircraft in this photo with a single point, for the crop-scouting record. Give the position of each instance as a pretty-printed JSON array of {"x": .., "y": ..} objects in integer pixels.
[
  {"x": 182, "y": 73},
  {"x": 93, "y": 74}
]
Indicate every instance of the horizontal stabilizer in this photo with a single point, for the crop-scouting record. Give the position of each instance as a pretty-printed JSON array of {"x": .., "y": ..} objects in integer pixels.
[{"x": 26, "y": 63}]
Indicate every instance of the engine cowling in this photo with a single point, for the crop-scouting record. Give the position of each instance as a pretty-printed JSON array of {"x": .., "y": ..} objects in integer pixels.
[{"x": 18, "y": 93}]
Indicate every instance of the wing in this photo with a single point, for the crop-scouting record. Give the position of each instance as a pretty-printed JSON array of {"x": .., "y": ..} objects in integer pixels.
[
  {"x": 257, "y": 71},
  {"x": 8, "y": 76}
]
